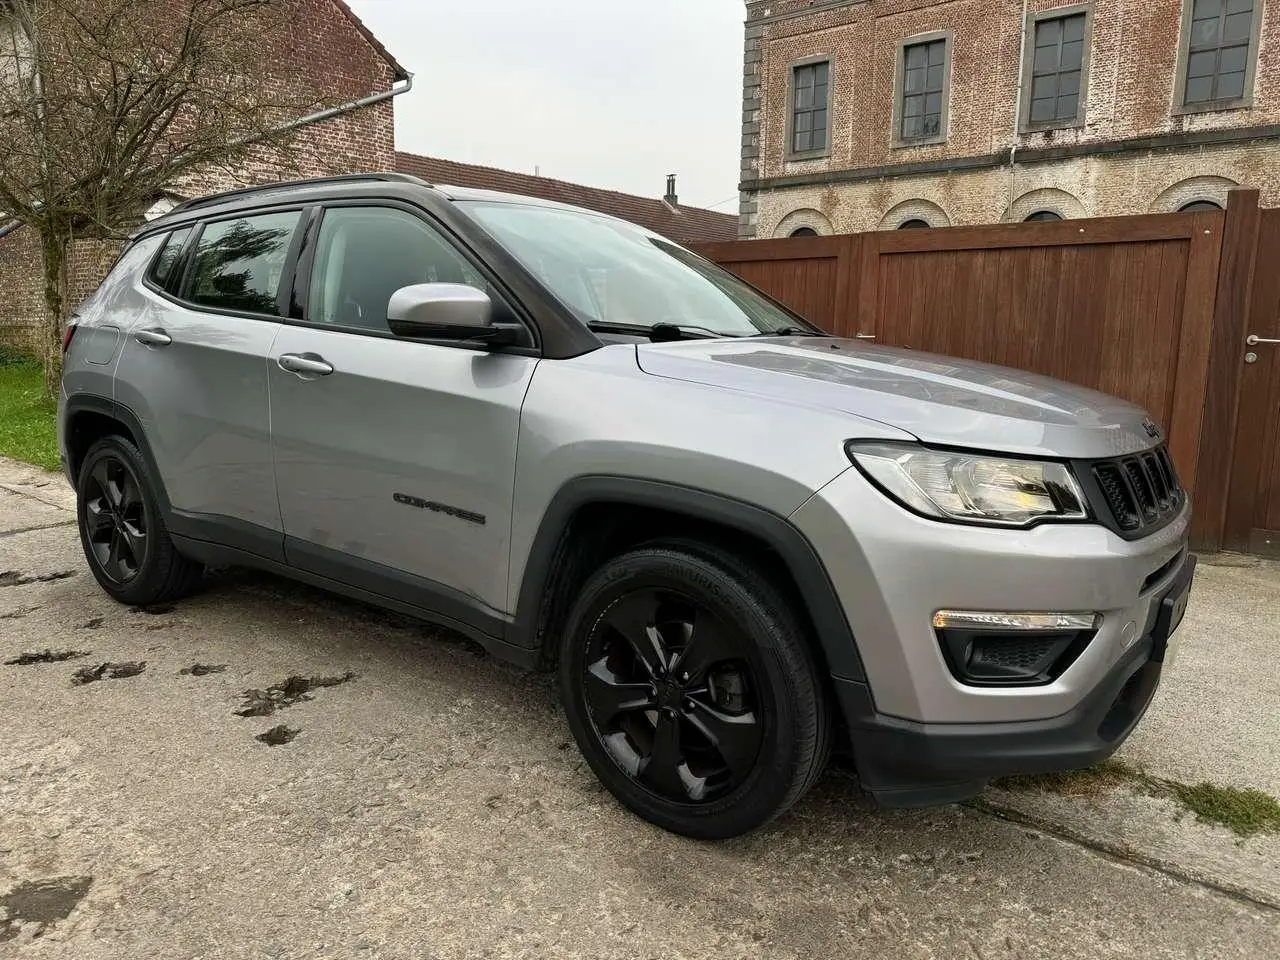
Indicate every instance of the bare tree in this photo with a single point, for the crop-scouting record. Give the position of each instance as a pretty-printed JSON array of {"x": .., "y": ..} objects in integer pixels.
[{"x": 104, "y": 104}]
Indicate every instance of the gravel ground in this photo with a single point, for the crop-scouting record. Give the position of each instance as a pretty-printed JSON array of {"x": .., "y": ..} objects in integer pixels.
[{"x": 429, "y": 803}]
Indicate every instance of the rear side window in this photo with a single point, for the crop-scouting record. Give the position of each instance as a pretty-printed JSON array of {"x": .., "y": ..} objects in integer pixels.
[
  {"x": 162, "y": 272},
  {"x": 239, "y": 263}
]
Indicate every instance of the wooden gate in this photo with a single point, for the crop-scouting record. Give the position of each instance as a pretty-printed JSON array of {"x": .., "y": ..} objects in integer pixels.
[
  {"x": 1253, "y": 506},
  {"x": 1148, "y": 308}
]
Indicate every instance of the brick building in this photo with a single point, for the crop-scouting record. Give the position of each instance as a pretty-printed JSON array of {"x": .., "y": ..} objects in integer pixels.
[
  {"x": 878, "y": 114},
  {"x": 343, "y": 62}
]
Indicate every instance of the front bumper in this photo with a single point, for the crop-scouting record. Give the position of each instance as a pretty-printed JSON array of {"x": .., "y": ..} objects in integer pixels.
[
  {"x": 903, "y": 763},
  {"x": 921, "y": 736}
]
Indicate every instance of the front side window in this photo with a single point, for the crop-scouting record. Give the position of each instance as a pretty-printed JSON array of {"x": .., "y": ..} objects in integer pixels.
[
  {"x": 1219, "y": 41},
  {"x": 239, "y": 263},
  {"x": 365, "y": 254},
  {"x": 922, "y": 90},
  {"x": 615, "y": 276},
  {"x": 810, "y": 108},
  {"x": 1057, "y": 71},
  {"x": 162, "y": 272}
]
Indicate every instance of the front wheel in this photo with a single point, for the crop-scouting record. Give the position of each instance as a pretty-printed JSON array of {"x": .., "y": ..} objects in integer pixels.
[{"x": 691, "y": 690}]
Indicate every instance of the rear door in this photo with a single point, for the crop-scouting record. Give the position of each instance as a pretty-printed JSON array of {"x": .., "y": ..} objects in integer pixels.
[
  {"x": 194, "y": 372},
  {"x": 395, "y": 459}
]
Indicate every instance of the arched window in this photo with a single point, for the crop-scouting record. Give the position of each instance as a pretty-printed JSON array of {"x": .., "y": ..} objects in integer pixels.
[
  {"x": 1043, "y": 216},
  {"x": 804, "y": 232},
  {"x": 914, "y": 224},
  {"x": 1200, "y": 206}
]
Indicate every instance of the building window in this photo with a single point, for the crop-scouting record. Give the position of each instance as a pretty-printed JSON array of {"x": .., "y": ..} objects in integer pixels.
[
  {"x": 804, "y": 232},
  {"x": 922, "y": 90},
  {"x": 1218, "y": 52},
  {"x": 809, "y": 120},
  {"x": 1056, "y": 69},
  {"x": 1200, "y": 206},
  {"x": 1043, "y": 216},
  {"x": 914, "y": 224}
]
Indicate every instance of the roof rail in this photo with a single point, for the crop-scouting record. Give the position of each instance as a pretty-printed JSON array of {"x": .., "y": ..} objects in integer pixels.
[{"x": 289, "y": 184}]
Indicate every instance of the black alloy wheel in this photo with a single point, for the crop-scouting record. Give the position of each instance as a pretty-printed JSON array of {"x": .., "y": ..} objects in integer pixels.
[
  {"x": 115, "y": 519},
  {"x": 671, "y": 696},
  {"x": 692, "y": 689},
  {"x": 122, "y": 529}
]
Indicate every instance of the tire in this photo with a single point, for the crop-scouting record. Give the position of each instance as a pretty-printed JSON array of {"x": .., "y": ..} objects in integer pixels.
[
  {"x": 690, "y": 687},
  {"x": 122, "y": 531}
]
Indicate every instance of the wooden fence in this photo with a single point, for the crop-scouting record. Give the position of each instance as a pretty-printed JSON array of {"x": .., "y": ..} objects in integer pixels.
[{"x": 1153, "y": 309}]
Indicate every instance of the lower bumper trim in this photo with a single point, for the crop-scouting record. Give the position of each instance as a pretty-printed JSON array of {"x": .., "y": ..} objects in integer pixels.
[{"x": 905, "y": 763}]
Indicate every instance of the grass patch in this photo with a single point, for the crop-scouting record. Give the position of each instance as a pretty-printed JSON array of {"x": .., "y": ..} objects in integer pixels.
[
  {"x": 1093, "y": 781},
  {"x": 27, "y": 414},
  {"x": 1243, "y": 812}
]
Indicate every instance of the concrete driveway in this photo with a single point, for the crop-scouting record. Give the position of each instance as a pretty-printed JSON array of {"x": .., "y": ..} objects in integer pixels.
[{"x": 429, "y": 803}]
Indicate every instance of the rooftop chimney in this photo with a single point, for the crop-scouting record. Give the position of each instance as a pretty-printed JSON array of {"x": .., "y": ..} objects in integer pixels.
[{"x": 671, "y": 197}]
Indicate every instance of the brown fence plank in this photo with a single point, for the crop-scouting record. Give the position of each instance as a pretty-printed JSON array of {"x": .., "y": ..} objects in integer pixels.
[{"x": 1166, "y": 226}]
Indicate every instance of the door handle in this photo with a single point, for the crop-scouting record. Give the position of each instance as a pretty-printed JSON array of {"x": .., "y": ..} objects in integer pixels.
[
  {"x": 305, "y": 364},
  {"x": 1254, "y": 340},
  {"x": 864, "y": 336},
  {"x": 155, "y": 337}
]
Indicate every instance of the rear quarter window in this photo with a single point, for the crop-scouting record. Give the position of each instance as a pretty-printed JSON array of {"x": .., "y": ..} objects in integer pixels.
[{"x": 163, "y": 273}]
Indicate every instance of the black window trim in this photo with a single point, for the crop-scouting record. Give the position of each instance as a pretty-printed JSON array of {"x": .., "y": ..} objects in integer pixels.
[
  {"x": 186, "y": 261},
  {"x": 897, "y": 141},
  {"x": 1027, "y": 80},
  {"x": 298, "y": 301},
  {"x": 1253, "y": 52},
  {"x": 792, "y": 69}
]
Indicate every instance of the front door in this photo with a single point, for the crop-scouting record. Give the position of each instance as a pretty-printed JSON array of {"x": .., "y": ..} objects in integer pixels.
[
  {"x": 395, "y": 459},
  {"x": 1253, "y": 507}
]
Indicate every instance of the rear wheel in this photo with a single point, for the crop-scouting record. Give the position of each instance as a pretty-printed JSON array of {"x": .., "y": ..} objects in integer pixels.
[
  {"x": 689, "y": 686},
  {"x": 124, "y": 537}
]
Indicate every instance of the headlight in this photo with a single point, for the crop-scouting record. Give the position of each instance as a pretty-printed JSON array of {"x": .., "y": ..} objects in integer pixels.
[{"x": 971, "y": 487}]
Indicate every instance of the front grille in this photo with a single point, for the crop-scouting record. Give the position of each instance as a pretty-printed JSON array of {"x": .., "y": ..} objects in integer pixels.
[{"x": 1139, "y": 493}]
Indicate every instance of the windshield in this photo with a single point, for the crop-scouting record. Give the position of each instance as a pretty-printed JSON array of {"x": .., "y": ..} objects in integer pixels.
[{"x": 616, "y": 275}]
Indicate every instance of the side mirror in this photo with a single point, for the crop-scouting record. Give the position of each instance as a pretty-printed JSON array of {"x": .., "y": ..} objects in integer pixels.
[{"x": 451, "y": 311}]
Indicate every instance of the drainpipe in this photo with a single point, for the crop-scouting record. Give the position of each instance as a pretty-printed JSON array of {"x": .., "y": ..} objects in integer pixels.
[
  {"x": 351, "y": 107},
  {"x": 1017, "y": 102}
]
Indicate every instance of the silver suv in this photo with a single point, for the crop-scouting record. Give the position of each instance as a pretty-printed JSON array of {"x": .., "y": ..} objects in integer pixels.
[{"x": 740, "y": 541}]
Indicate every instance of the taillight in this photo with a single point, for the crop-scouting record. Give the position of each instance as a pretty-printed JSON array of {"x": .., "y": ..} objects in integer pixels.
[{"x": 66, "y": 337}]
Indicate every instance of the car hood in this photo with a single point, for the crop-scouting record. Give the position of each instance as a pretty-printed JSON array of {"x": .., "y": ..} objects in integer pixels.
[{"x": 940, "y": 400}]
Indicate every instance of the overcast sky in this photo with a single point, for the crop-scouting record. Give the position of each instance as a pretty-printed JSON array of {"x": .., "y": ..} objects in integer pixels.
[{"x": 608, "y": 93}]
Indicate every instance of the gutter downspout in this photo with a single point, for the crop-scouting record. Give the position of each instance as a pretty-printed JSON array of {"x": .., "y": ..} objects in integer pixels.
[
  {"x": 351, "y": 107},
  {"x": 1017, "y": 104}
]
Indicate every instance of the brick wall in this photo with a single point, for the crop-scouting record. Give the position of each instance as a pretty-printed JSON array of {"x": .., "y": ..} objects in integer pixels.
[
  {"x": 1130, "y": 94},
  {"x": 330, "y": 54}
]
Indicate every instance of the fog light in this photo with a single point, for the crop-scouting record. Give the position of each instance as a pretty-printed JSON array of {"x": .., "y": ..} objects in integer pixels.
[
  {"x": 975, "y": 619},
  {"x": 1011, "y": 649}
]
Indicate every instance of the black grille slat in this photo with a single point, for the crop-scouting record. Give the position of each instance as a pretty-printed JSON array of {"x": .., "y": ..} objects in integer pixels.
[
  {"x": 1142, "y": 489},
  {"x": 1155, "y": 476},
  {"x": 1137, "y": 492},
  {"x": 1119, "y": 499}
]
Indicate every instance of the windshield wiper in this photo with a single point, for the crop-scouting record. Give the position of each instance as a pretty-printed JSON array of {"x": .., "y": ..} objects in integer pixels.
[{"x": 791, "y": 332}]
